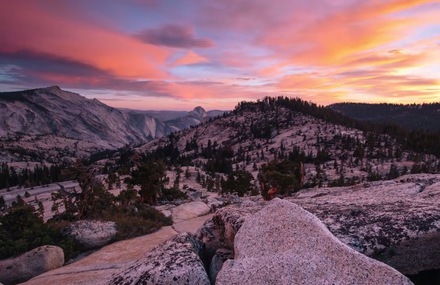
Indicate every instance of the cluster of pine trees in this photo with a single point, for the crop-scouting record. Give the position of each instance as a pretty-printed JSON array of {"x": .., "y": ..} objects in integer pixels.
[
  {"x": 415, "y": 140},
  {"x": 29, "y": 177}
]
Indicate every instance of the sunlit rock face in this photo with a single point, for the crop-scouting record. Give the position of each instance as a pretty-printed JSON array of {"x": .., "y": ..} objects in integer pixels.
[{"x": 284, "y": 244}]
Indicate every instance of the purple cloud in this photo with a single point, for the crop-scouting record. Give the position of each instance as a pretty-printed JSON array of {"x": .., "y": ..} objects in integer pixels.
[
  {"x": 37, "y": 62},
  {"x": 174, "y": 36}
]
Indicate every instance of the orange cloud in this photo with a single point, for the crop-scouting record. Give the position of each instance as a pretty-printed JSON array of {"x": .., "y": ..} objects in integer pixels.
[
  {"x": 25, "y": 26},
  {"x": 334, "y": 38}
]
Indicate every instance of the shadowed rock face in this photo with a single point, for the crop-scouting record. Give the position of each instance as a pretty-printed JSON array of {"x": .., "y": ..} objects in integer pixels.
[
  {"x": 30, "y": 264},
  {"x": 219, "y": 232},
  {"x": 284, "y": 244}
]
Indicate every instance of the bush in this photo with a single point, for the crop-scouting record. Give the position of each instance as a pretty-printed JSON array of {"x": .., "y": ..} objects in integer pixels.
[
  {"x": 135, "y": 220},
  {"x": 283, "y": 175},
  {"x": 239, "y": 182},
  {"x": 171, "y": 194},
  {"x": 23, "y": 229}
]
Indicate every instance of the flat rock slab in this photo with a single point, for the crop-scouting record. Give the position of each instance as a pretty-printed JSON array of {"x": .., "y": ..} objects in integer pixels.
[
  {"x": 96, "y": 268},
  {"x": 284, "y": 244},
  {"x": 189, "y": 210},
  {"x": 191, "y": 225}
]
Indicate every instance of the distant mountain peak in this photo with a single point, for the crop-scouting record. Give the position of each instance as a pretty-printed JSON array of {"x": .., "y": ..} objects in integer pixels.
[
  {"x": 50, "y": 89},
  {"x": 199, "y": 109},
  {"x": 53, "y": 88},
  {"x": 198, "y": 112}
]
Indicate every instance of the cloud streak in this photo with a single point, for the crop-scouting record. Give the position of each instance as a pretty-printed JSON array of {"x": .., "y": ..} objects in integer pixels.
[{"x": 174, "y": 36}]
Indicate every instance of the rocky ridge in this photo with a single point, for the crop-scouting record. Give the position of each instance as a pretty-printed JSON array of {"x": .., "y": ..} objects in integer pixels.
[
  {"x": 395, "y": 221},
  {"x": 174, "y": 262}
]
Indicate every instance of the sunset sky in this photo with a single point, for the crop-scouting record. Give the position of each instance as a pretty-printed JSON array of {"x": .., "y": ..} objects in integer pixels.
[{"x": 178, "y": 54}]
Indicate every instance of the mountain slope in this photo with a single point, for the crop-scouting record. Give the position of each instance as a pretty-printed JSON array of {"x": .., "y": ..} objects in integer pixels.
[
  {"x": 415, "y": 117},
  {"x": 256, "y": 133},
  {"x": 48, "y": 118},
  {"x": 52, "y": 111},
  {"x": 47, "y": 124}
]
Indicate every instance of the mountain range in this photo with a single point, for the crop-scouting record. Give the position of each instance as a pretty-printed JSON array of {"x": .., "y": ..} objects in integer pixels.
[{"x": 34, "y": 122}]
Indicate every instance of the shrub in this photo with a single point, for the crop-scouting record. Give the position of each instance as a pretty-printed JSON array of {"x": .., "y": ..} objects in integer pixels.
[
  {"x": 135, "y": 220},
  {"x": 23, "y": 229},
  {"x": 173, "y": 193}
]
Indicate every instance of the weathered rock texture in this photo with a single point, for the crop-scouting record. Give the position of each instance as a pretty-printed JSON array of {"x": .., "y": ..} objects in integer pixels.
[
  {"x": 30, "y": 264},
  {"x": 396, "y": 221},
  {"x": 284, "y": 244},
  {"x": 91, "y": 234},
  {"x": 174, "y": 262}
]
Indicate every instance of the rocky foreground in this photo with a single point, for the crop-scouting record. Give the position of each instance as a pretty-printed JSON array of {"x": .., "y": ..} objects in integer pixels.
[{"x": 319, "y": 236}]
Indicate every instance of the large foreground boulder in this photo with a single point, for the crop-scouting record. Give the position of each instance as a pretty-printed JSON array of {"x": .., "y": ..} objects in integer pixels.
[
  {"x": 174, "y": 262},
  {"x": 284, "y": 244},
  {"x": 30, "y": 264},
  {"x": 90, "y": 233}
]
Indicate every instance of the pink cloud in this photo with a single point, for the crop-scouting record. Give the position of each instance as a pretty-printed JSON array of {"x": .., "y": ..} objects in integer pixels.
[
  {"x": 190, "y": 58},
  {"x": 37, "y": 30}
]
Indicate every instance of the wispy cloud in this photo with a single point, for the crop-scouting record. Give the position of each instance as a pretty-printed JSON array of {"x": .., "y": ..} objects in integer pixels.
[{"x": 174, "y": 36}]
